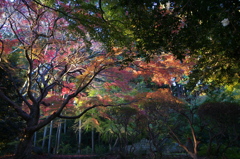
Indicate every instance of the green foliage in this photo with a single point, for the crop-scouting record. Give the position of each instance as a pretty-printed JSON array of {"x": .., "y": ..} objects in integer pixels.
[
  {"x": 87, "y": 150},
  {"x": 13, "y": 58},
  {"x": 101, "y": 149},
  {"x": 232, "y": 92},
  {"x": 47, "y": 2},
  {"x": 65, "y": 149},
  {"x": 91, "y": 123},
  {"x": 230, "y": 153},
  {"x": 193, "y": 28},
  {"x": 228, "y": 93},
  {"x": 206, "y": 30}
]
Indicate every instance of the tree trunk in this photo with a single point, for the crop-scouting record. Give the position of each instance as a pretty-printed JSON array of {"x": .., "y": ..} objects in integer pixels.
[
  {"x": 44, "y": 136},
  {"x": 58, "y": 137},
  {"x": 50, "y": 136},
  {"x": 65, "y": 126},
  {"x": 193, "y": 155},
  {"x": 93, "y": 142},
  {"x": 24, "y": 149},
  {"x": 35, "y": 139},
  {"x": 79, "y": 135}
]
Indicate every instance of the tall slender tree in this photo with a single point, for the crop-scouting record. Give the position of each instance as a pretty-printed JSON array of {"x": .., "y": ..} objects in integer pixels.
[{"x": 50, "y": 138}]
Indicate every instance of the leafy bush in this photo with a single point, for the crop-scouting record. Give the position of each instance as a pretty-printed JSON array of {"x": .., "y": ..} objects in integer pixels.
[
  {"x": 101, "y": 149},
  {"x": 65, "y": 149},
  {"x": 87, "y": 150}
]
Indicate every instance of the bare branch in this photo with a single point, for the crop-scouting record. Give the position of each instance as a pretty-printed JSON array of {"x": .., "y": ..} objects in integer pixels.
[
  {"x": 19, "y": 39},
  {"x": 65, "y": 102},
  {"x": 102, "y": 12},
  {"x": 30, "y": 71},
  {"x": 29, "y": 7}
]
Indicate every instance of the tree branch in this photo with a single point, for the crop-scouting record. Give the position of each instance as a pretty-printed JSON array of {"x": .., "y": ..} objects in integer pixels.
[
  {"x": 94, "y": 106},
  {"x": 65, "y": 102}
]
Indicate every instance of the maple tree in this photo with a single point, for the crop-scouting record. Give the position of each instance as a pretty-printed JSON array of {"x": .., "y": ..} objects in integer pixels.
[
  {"x": 172, "y": 113},
  {"x": 128, "y": 123},
  {"x": 55, "y": 49},
  {"x": 54, "y": 62},
  {"x": 157, "y": 115}
]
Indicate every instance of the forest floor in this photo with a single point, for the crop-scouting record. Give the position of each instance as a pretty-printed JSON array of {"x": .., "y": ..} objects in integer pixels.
[
  {"x": 93, "y": 157},
  {"x": 55, "y": 157}
]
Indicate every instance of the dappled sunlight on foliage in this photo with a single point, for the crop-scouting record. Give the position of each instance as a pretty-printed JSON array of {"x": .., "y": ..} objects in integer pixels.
[
  {"x": 163, "y": 68},
  {"x": 126, "y": 71}
]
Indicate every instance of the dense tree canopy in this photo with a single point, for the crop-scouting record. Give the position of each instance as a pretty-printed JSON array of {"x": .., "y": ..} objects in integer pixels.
[
  {"x": 54, "y": 60},
  {"x": 208, "y": 31}
]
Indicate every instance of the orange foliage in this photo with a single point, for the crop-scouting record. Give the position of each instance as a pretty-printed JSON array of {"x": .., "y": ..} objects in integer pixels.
[
  {"x": 161, "y": 100},
  {"x": 161, "y": 69}
]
